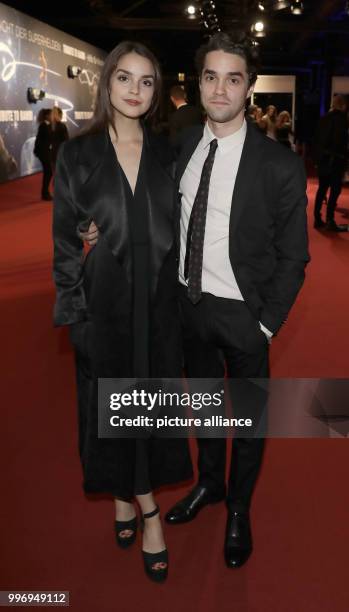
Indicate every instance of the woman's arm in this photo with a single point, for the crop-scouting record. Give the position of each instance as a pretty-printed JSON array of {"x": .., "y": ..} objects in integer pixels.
[{"x": 70, "y": 306}]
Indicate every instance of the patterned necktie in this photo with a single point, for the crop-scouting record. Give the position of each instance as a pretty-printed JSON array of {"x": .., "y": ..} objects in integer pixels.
[{"x": 196, "y": 230}]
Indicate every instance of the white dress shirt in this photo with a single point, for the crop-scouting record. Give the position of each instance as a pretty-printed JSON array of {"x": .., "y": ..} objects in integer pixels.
[{"x": 217, "y": 274}]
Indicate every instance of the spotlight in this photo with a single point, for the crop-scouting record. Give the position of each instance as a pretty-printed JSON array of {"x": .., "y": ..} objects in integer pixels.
[
  {"x": 73, "y": 71},
  {"x": 261, "y": 6},
  {"x": 297, "y": 7},
  {"x": 34, "y": 94},
  {"x": 258, "y": 29},
  {"x": 191, "y": 10},
  {"x": 278, "y": 5}
]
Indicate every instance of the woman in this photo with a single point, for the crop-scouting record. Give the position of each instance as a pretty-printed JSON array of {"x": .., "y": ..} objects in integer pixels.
[
  {"x": 270, "y": 118},
  {"x": 121, "y": 303},
  {"x": 283, "y": 129},
  {"x": 43, "y": 149},
  {"x": 59, "y": 133}
]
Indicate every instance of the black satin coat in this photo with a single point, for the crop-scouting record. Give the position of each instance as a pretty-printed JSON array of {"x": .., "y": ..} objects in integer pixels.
[{"x": 98, "y": 289}]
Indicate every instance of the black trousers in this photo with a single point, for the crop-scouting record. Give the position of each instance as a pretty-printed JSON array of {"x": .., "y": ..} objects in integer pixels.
[
  {"x": 329, "y": 179},
  {"x": 221, "y": 332},
  {"x": 46, "y": 177}
]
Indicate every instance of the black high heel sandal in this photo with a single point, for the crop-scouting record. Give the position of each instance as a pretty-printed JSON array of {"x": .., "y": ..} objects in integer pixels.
[
  {"x": 120, "y": 526},
  {"x": 151, "y": 559}
]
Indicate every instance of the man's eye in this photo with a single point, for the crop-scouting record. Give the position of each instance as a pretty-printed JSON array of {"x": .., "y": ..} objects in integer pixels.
[
  {"x": 209, "y": 77},
  {"x": 234, "y": 81}
]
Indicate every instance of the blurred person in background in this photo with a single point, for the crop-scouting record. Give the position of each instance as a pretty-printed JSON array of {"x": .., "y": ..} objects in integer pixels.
[
  {"x": 270, "y": 118},
  {"x": 184, "y": 116},
  {"x": 59, "y": 133},
  {"x": 8, "y": 164},
  {"x": 331, "y": 158},
  {"x": 43, "y": 150},
  {"x": 283, "y": 129}
]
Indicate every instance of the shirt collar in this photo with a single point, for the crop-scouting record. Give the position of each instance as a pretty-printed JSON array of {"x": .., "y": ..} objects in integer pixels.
[{"x": 227, "y": 143}]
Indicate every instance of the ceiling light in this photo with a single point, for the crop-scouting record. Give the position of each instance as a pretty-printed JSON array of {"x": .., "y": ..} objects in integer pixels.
[
  {"x": 259, "y": 26},
  {"x": 297, "y": 8},
  {"x": 278, "y": 5},
  {"x": 258, "y": 29},
  {"x": 261, "y": 6},
  {"x": 191, "y": 10}
]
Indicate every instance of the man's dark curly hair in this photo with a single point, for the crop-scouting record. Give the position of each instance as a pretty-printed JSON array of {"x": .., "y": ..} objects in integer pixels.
[{"x": 236, "y": 43}]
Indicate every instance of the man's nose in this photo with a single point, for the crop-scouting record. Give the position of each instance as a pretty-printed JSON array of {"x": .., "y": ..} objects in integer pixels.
[{"x": 220, "y": 88}]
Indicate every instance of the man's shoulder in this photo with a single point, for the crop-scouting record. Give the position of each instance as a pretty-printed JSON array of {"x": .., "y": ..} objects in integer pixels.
[{"x": 275, "y": 151}]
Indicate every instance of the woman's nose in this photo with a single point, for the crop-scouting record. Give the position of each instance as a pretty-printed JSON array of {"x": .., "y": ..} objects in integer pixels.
[{"x": 134, "y": 86}]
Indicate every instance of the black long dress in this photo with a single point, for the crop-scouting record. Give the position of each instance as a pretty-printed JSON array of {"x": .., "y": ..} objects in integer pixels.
[
  {"x": 124, "y": 335},
  {"x": 138, "y": 223}
]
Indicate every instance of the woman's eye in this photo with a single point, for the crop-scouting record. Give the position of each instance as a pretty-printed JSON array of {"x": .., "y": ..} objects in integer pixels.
[
  {"x": 209, "y": 77},
  {"x": 148, "y": 83},
  {"x": 123, "y": 78}
]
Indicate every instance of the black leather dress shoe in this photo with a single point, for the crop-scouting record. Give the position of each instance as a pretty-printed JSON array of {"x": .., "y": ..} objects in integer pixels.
[
  {"x": 187, "y": 509},
  {"x": 238, "y": 539}
]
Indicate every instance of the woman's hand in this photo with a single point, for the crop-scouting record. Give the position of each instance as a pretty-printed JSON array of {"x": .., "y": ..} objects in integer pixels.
[{"x": 91, "y": 235}]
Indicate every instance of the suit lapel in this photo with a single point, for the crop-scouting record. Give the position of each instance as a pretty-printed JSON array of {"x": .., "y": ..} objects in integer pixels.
[{"x": 248, "y": 168}]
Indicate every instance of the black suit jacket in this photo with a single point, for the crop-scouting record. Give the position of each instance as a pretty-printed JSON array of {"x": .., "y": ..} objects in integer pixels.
[{"x": 268, "y": 242}]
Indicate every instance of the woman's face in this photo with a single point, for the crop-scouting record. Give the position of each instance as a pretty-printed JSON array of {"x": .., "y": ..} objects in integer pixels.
[{"x": 132, "y": 85}]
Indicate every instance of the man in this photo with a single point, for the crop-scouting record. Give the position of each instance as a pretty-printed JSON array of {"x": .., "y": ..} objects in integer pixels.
[
  {"x": 331, "y": 149},
  {"x": 242, "y": 253},
  {"x": 240, "y": 268},
  {"x": 184, "y": 116}
]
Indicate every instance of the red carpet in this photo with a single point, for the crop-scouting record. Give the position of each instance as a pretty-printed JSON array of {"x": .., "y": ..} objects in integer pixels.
[{"x": 52, "y": 538}]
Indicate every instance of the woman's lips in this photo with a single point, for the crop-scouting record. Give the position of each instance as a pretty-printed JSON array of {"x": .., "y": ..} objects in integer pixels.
[{"x": 132, "y": 102}]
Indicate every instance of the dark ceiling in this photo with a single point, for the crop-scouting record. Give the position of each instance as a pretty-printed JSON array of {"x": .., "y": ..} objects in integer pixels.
[{"x": 320, "y": 34}]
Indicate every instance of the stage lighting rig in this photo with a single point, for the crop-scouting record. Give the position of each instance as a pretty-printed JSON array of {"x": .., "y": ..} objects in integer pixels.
[
  {"x": 209, "y": 19},
  {"x": 34, "y": 94},
  {"x": 73, "y": 71}
]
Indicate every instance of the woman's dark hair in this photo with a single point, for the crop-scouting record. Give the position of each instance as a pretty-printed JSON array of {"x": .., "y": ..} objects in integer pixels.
[
  {"x": 103, "y": 112},
  {"x": 235, "y": 43},
  {"x": 44, "y": 114}
]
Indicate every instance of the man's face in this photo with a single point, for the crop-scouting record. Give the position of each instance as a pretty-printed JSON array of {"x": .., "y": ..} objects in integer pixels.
[{"x": 224, "y": 86}]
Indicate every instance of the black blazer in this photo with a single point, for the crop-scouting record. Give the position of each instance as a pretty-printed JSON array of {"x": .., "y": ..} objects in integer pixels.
[
  {"x": 268, "y": 242},
  {"x": 43, "y": 142}
]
